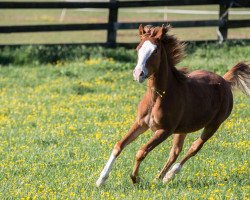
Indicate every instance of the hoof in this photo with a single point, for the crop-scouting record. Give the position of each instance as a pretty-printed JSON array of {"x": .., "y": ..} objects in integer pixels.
[
  {"x": 135, "y": 179},
  {"x": 171, "y": 174},
  {"x": 101, "y": 181},
  {"x": 168, "y": 177},
  {"x": 156, "y": 180}
]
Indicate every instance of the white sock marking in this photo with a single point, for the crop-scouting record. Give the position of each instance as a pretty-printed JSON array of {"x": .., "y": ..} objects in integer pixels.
[
  {"x": 106, "y": 170},
  {"x": 176, "y": 168},
  {"x": 171, "y": 174}
]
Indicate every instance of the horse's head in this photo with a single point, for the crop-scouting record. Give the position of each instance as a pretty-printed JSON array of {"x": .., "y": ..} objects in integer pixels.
[{"x": 149, "y": 51}]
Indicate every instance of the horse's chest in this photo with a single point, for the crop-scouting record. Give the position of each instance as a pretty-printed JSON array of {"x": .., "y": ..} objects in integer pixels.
[
  {"x": 152, "y": 119},
  {"x": 150, "y": 112},
  {"x": 149, "y": 120}
]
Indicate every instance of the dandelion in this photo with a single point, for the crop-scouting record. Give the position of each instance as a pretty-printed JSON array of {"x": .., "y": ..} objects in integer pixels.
[{"x": 72, "y": 128}]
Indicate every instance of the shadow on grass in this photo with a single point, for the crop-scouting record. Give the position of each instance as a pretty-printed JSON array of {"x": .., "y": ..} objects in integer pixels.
[
  {"x": 46, "y": 142},
  {"x": 209, "y": 182},
  {"x": 68, "y": 73},
  {"x": 82, "y": 89}
]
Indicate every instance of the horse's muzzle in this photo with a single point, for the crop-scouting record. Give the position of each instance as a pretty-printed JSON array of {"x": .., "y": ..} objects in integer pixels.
[{"x": 139, "y": 75}]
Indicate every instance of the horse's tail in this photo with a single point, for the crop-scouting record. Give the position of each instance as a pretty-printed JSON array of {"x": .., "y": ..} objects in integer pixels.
[{"x": 239, "y": 77}]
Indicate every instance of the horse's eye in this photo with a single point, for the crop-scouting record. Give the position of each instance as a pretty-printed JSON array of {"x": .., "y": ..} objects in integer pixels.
[{"x": 155, "y": 51}]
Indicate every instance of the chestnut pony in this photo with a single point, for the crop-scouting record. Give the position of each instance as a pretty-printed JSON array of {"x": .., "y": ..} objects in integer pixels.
[{"x": 176, "y": 102}]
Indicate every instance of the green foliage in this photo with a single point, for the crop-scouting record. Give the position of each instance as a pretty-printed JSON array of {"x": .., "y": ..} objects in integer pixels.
[
  {"x": 45, "y": 54},
  {"x": 42, "y": 54},
  {"x": 216, "y": 57}
]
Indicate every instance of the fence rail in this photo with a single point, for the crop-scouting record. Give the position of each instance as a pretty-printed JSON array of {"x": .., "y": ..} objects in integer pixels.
[{"x": 223, "y": 23}]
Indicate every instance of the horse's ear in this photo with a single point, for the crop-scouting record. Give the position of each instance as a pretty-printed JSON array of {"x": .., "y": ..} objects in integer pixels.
[
  {"x": 154, "y": 32},
  {"x": 141, "y": 30},
  {"x": 161, "y": 32}
]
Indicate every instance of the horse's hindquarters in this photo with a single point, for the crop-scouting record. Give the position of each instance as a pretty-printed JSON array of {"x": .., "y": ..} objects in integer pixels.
[{"x": 208, "y": 101}]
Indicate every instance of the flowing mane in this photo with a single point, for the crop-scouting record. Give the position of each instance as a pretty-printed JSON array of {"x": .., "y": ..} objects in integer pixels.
[{"x": 175, "y": 50}]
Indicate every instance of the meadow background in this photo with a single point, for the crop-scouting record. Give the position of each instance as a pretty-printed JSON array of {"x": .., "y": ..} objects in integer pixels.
[{"x": 62, "y": 109}]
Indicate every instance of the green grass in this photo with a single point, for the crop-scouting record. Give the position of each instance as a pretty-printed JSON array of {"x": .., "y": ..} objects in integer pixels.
[{"x": 59, "y": 122}]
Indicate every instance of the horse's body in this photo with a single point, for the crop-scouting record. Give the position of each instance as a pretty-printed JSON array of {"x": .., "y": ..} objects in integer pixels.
[
  {"x": 207, "y": 92},
  {"x": 175, "y": 102}
]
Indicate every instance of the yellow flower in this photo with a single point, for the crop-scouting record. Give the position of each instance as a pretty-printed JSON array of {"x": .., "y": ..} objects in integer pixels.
[{"x": 72, "y": 128}]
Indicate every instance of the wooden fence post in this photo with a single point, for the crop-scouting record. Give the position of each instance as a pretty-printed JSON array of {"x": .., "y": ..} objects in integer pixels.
[
  {"x": 223, "y": 19},
  {"x": 113, "y": 15}
]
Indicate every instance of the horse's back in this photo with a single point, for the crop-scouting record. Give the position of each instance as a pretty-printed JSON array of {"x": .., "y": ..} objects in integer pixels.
[{"x": 206, "y": 77}]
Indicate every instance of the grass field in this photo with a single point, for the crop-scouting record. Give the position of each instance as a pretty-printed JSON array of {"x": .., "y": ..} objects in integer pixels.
[{"x": 59, "y": 122}]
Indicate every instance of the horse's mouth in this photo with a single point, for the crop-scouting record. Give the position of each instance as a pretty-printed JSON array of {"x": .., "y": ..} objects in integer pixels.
[
  {"x": 139, "y": 75},
  {"x": 140, "y": 79}
]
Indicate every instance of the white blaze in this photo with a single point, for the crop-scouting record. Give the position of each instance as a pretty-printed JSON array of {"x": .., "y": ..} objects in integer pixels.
[
  {"x": 143, "y": 54},
  {"x": 105, "y": 172}
]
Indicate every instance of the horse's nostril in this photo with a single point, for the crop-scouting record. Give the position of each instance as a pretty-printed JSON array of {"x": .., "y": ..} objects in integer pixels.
[{"x": 141, "y": 74}]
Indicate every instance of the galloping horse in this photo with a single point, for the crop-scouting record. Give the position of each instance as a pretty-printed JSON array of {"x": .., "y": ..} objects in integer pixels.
[{"x": 176, "y": 102}]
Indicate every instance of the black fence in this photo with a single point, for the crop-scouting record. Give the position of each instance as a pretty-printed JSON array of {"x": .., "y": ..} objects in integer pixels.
[{"x": 223, "y": 23}]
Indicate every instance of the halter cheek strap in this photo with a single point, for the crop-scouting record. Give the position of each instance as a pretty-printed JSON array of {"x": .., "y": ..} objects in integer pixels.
[{"x": 159, "y": 92}]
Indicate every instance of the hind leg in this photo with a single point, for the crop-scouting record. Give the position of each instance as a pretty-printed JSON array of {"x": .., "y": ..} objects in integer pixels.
[
  {"x": 196, "y": 146},
  {"x": 178, "y": 141}
]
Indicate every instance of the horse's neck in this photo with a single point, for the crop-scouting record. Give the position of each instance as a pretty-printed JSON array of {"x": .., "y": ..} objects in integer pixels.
[{"x": 163, "y": 78}]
